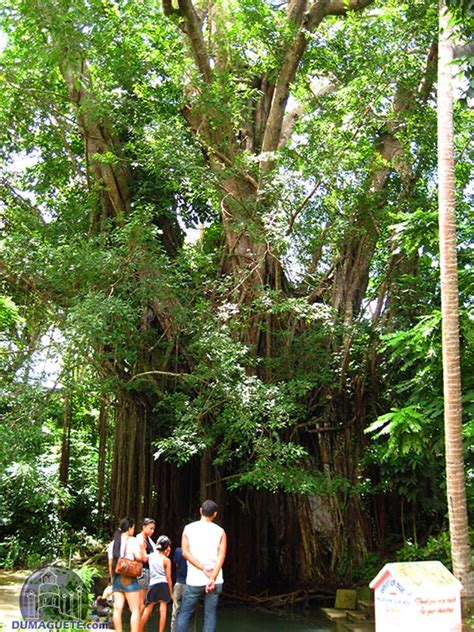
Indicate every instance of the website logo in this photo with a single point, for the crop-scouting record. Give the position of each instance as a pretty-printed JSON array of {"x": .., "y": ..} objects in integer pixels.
[{"x": 52, "y": 594}]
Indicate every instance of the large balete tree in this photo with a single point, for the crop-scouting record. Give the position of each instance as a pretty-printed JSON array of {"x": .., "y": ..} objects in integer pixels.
[
  {"x": 245, "y": 153},
  {"x": 455, "y": 477}
]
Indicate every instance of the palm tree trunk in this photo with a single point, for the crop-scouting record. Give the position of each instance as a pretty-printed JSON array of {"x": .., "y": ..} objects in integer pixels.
[{"x": 456, "y": 489}]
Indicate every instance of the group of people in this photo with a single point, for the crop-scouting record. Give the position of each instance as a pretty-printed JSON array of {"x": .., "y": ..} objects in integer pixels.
[{"x": 198, "y": 562}]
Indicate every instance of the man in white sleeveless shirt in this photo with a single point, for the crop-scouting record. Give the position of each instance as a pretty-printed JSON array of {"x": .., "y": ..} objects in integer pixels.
[{"x": 204, "y": 545}]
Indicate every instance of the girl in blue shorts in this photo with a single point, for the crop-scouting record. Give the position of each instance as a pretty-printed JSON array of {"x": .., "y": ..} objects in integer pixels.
[{"x": 161, "y": 588}]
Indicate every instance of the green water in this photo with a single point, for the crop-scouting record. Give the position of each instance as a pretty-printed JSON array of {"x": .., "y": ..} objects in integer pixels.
[{"x": 242, "y": 619}]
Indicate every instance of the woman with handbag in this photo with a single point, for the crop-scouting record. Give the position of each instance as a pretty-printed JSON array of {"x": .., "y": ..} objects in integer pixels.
[{"x": 125, "y": 555}]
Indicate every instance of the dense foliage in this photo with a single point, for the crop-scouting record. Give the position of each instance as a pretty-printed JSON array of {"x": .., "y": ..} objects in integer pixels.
[{"x": 250, "y": 286}]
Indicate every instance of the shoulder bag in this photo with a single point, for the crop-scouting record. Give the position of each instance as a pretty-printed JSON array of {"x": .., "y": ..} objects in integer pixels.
[{"x": 128, "y": 568}]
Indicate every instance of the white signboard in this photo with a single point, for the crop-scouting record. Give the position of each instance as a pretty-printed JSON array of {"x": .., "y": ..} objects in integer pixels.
[{"x": 417, "y": 596}]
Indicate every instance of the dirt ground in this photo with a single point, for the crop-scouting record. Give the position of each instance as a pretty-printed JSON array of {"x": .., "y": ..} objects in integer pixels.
[{"x": 11, "y": 583}]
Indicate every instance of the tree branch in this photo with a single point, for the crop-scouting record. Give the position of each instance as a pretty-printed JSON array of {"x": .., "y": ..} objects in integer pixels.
[
  {"x": 19, "y": 199},
  {"x": 288, "y": 125},
  {"x": 311, "y": 20},
  {"x": 168, "y": 373},
  {"x": 168, "y": 8},
  {"x": 229, "y": 163},
  {"x": 341, "y": 7},
  {"x": 195, "y": 37},
  {"x": 466, "y": 50},
  {"x": 293, "y": 115},
  {"x": 296, "y": 9},
  {"x": 271, "y": 137},
  {"x": 430, "y": 72}
]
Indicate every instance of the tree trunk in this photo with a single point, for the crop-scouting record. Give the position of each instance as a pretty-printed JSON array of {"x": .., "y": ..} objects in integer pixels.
[
  {"x": 66, "y": 443},
  {"x": 102, "y": 458},
  {"x": 456, "y": 489}
]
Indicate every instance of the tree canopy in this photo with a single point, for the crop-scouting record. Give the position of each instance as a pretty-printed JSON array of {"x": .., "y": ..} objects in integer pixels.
[{"x": 220, "y": 218}]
